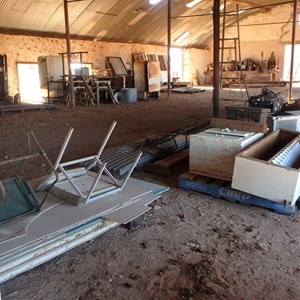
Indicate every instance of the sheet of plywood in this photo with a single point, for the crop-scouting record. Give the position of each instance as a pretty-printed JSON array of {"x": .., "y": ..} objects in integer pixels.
[
  {"x": 66, "y": 215},
  {"x": 213, "y": 155},
  {"x": 59, "y": 218},
  {"x": 63, "y": 216},
  {"x": 156, "y": 189}
]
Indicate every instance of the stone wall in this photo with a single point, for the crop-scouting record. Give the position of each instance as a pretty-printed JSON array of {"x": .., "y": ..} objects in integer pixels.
[
  {"x": 27, "y": 49},
  {"x": 268, "y": 31}
]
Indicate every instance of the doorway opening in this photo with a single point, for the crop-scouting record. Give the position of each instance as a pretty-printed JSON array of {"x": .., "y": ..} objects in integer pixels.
[
  {"x": 29, "y": 83},
  {"x": 176, "y": 64}
]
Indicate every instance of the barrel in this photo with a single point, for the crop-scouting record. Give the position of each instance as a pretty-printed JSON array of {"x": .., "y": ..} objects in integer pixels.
[{"x": 130, "y": 94}]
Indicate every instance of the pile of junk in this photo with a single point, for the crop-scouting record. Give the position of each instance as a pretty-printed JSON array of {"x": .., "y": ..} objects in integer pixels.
[{"x": 74, "y": 202}]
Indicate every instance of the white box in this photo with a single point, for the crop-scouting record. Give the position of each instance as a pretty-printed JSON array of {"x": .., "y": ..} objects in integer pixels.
[
  {"x": 270, "y": 168},
  {"x": 286, "y": 120},
  {"x": 212, "y": 152}
]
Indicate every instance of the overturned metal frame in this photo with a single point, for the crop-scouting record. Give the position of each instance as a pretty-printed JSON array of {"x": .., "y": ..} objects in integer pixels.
[{"x": 69, "y": 175}]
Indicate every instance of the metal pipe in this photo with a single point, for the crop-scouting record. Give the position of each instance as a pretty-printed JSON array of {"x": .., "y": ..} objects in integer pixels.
[
  {"x": 103, "y": 144},
  {"x": 107, "y": 172},
  {"x": 92, "y": 188},
  {"x": 106, "y": 138},
  {"x": 290, "y": 92},
  {"x": 63, "y": 147},
  {"x": 71, "y": 83},
  {"x": 222, "y": 45},
  {"x": 131, "y": 170},
  {"x": 216, "y": 53},
  {"x": 77, "y": 161},
  {"x": 57, "y": 162},
  {"x": 169, "y": 48},
  {"x": 71, "y": 182},
  {"x": 263, "y": 24},
  {"x": 18, "y": 159}
]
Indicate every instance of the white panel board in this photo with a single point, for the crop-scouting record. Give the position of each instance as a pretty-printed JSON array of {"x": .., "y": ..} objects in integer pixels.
[{"x": 132, "y": 210}]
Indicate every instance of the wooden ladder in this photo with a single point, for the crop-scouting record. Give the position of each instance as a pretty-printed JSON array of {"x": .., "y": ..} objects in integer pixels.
[{"x": 232, "y": 44}]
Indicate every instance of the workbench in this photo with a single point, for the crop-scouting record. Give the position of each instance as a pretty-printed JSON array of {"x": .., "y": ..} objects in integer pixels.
[{"x": 249, "y": 76}]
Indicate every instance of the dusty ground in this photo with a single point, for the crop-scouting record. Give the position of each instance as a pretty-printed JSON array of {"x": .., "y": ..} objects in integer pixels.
[{"x": 189, "y": 245}]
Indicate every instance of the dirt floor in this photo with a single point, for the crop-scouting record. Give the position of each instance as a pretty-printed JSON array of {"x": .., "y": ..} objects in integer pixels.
[{"x": 189, "y": 246}]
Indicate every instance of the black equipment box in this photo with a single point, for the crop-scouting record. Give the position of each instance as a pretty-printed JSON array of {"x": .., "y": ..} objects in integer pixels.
[{"x": 267, "y": 99}]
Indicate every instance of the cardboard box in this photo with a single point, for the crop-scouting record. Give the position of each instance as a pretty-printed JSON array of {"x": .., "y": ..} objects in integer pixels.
[
  {"x": 270, "y": 168},
  {"x": 213, "y": 151}
]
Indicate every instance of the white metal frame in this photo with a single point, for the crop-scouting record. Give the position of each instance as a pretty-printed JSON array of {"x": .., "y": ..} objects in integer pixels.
[{"x": 95, "y": 160}]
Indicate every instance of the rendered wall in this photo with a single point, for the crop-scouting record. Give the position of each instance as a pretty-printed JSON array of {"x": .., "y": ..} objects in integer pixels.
[
  {"x": 195, "y": 63},
  {"x": 27, "y": 49}
]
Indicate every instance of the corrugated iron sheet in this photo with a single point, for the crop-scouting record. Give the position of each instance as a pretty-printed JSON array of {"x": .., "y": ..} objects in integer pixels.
[
  {"x": 120, "y": 159},
  {"x": 134, "y": 21}
]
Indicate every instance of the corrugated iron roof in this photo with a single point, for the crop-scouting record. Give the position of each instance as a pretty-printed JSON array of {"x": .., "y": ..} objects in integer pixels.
[{"x": 134, "y": 21}]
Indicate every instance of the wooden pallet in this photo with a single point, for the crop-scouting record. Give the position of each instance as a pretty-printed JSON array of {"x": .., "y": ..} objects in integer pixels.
[
  {"x": 24, "y": 107},
  {"x": 222, "y": 189}
]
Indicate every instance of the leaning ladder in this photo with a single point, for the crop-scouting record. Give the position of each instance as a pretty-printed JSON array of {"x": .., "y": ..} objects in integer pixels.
[{"x": 228, "y": 44}]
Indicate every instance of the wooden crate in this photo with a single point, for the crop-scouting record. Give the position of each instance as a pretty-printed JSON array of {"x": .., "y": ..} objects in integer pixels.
[
  {"x": 212, "y": 152},
  {"x": 270, "y": 168}
]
